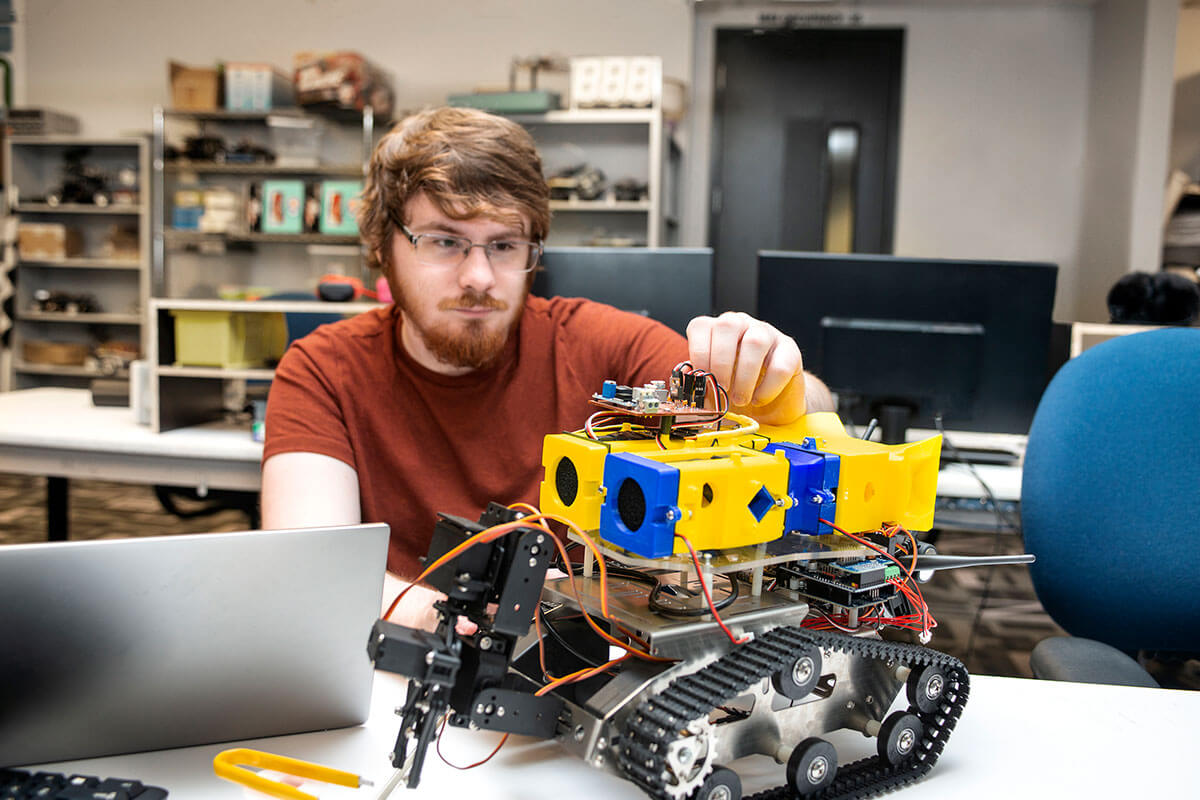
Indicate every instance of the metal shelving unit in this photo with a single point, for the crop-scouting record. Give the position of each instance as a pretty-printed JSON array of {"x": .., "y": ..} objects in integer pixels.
[
  {"x": 623, "y": 143},
  {"x": 192, "y": 268},
  {"x": 33, "y": 174}
]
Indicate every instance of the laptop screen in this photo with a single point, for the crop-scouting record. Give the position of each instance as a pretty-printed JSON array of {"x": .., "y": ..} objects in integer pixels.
[{"x": 124, "y": 645}]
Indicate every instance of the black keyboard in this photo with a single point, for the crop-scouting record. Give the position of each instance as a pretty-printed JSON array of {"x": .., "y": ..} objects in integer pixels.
[{"x": 17, "y": 784}]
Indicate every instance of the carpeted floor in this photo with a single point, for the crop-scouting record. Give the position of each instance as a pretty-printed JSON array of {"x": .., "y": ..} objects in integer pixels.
[{"x": 992, "y": 637}]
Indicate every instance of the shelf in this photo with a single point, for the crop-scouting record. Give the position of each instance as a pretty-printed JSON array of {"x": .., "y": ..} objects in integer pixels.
[
  {"x": 196, "y": 237},
  {"x": 210, "y": 168},
  {"x": 218, "y": 115},
  {"x": 72, "y": 140},
  {"x": 589, "y": 116},
  {"x": 641, "y": 206},
  {"x": 56, "y": 369},
  {"x": 216, "y": 373},
  {"x": 259, "y": 306},
  {"x": 81, "y": 263},
  {"x": 127, "y": 209},
  {"x": 99, "y": 318}
]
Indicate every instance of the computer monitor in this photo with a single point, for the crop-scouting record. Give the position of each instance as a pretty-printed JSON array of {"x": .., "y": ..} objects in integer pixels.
[
  {"x": 669, "y": 284},
  {"x": 903, "y": 340}
]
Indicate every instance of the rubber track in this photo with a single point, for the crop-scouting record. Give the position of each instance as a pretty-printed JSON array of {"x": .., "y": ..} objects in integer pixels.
[{"x": 656, "y": 720}]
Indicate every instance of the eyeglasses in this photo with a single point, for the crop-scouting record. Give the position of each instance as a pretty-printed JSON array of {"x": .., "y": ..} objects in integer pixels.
[{"x": 448, "y": 252}]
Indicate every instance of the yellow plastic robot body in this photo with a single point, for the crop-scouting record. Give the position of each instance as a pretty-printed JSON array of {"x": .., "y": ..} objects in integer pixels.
[
  {"x": 878, "y": 484},
  {"x": 732, "y": 491},
  {"x": 718, "y": 498}
]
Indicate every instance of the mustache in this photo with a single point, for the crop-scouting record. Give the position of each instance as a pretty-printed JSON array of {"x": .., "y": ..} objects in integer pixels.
[{"x": 473, "y": 299}]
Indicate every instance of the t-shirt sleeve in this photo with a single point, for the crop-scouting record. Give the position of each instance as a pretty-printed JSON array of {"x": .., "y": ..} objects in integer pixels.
[
  {"x": 627, "y": 347},
  {"x": 305, "y": 411}
]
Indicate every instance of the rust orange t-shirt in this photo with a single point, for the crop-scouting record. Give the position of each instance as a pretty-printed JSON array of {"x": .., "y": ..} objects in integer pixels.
[{"x": 424, "y": 443}]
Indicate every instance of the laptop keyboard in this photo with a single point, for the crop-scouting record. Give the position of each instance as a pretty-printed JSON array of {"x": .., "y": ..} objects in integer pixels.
[{"x": 17, "y": 784}]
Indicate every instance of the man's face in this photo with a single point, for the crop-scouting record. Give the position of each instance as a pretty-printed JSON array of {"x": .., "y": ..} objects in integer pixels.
[{"x": 458, "y": 319}]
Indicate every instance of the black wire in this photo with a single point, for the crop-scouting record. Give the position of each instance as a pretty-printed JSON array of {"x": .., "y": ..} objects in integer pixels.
[
  {"x": 558, "y": 637},
  {"x": 1002, "y": 519},
  {"x": 657, "y": 606}
]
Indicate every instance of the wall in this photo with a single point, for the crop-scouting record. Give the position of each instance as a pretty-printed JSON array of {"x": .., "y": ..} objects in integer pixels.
[
  {"x": 997, "y": 131},
  {"x": 1014, "y": 113},
  {"x": 106, "y": 60},
  {"x": 1185, "y": 122},
  {"x": 1125, "y": 171}
]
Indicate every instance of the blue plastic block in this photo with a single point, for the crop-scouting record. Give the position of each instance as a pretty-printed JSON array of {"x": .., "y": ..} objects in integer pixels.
[
  {"x": 640, "y": 505},
  {"x": 812, "y": 483}
]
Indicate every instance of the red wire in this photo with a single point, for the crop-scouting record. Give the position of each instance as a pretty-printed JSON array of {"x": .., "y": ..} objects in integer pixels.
[
  {"x": 438, "y": 747},
  {"x": 711, "y": 605}
]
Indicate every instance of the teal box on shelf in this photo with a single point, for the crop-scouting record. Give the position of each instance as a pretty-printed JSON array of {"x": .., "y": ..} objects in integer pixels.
[
  {"x": 532, "y": 102},
  {"x": 283, "y": 207},
  {"x": 339, "y": 207}
]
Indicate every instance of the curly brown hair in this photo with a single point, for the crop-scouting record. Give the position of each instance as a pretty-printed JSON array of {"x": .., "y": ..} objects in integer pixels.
[{"x": 467, "y": 162}]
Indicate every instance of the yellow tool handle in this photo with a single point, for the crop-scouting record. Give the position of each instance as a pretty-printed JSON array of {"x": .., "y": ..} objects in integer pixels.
[{"x": 231, "y": 765}]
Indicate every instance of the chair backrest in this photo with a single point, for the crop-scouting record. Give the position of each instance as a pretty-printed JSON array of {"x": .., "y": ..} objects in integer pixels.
[{"x": 1110, "y": 499}]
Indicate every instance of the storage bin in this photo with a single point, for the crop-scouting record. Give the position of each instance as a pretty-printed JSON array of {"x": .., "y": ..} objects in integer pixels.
[
  {"x": 228, "y": 339},
  {"x": 295, "y": 140}
]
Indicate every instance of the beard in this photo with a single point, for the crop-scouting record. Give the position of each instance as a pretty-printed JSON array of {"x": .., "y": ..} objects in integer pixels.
[{"x": 474, "y": 345}]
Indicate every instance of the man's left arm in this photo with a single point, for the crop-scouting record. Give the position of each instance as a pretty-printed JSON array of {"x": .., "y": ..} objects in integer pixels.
[{"x": 760, "y": 368}]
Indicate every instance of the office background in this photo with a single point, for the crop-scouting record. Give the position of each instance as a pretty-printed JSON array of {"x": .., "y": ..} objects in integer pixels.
[{"x": 1028, "y": 129}]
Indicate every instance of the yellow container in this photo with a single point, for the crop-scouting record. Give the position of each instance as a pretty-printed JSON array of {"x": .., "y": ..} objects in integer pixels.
[
  {"x": 878, "y": 483},
  {"x": 228, "y": 339}
]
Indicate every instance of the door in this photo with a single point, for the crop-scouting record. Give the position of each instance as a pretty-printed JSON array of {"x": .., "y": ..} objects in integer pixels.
[{"x": 805, "y": 142}]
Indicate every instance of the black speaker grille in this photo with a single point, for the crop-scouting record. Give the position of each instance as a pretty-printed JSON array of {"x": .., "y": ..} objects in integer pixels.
[
  {"x": 566, "y": 481},
  {"x": 631, "y": 504}
]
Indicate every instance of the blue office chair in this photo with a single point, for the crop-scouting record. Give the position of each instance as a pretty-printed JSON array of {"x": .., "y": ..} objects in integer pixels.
[{"x": 1110, "y": 504}]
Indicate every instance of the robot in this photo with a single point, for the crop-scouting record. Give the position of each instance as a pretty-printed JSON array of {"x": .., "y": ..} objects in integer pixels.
[{"x": 760, "y": 581}]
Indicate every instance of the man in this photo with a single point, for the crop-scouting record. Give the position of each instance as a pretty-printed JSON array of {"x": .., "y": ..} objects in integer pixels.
[{"x": 440, "y": 402}]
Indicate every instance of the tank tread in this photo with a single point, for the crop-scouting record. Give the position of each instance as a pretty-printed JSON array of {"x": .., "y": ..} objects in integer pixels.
[{"x": 657, "y": 720}]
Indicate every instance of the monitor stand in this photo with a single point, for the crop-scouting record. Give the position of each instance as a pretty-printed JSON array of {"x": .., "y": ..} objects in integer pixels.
[{"x": 893, "y": 423}]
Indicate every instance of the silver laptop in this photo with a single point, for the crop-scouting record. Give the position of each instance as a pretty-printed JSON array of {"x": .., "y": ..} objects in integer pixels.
[{"x": 124, "y": 645}]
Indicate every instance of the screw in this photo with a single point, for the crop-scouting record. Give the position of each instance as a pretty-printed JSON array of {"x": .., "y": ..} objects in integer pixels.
[
  {"x": 541, "y": 539},
  {"x": 802, "y": 670},
  {"x": 579, "y": 733},
  {"x": 489, "y": 709},
  {"x": 933, "y": 689},
  {"x": 499, "y": 711},
  {"x": 485, "y": 643},
  {"x": 429, "y": 657},
  {"x": 720, "y": 793},
  {"x": 534, "y": 550},
  {"x": 532, "y": 563},
  {"x": 906, "y": 740},
  {"x": 849, "y": 704},
  {"x": 479, "y": 708},
  {"x": 817, "y": 769},
  {"x": 685, "y": 754},
  {"x": 869, "y": 699},
  {"x": 601, "y": 743}
]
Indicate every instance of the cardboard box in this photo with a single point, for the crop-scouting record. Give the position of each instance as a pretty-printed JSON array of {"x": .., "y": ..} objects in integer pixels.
[
  {"x": 339, "y": 207},
  {"x": 342, "y": 80},
  {"x": 194, "y": 88},
  {"x": 257, "y": 87},
  {"x": 283, "y": 207},
  {"x": 48, "y": 241}
]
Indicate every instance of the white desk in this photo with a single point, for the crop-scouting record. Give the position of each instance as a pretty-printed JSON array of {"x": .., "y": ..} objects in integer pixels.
[
  {"x": 1016, "y": 738},
  {"x": 60, "y": 434}
]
